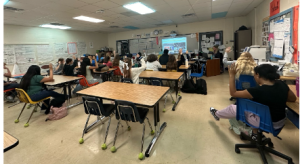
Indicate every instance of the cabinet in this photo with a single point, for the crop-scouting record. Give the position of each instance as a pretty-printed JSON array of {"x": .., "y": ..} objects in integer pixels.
[{"x": 242, "y": 39}]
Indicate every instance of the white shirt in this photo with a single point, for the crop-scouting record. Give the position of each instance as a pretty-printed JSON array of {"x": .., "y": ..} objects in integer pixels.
[
  {"x": 121, "y": 63},
  {"x": 153, "y": 66},
  {"x": 88, "y": 75},
  {"x": 135, "y": 72}
]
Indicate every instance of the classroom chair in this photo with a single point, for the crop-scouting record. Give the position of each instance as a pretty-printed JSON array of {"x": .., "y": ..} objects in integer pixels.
[
  {"x": 127, "y": 111},
  {"x": 9, "y": 91},
  {"x": 126, "y": 80},
  {"x": 244, "y": 82},
  {"x": 266, "y": 125},
  {"x": 83, "y": 82},
  {"x": 23, "y": 97},
  {"x": 95, "y": 106},
  {"x": 158, "y": 82},
  {"x": 198, "y": 74},
  {"x": 117, "y": 74}
]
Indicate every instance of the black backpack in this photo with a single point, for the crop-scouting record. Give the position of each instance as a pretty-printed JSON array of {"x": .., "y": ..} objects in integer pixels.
[{"x": 201, "y": 86}]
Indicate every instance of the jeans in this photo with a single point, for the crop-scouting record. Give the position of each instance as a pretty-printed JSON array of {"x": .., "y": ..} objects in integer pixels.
[
  {"x": 12, "y": 85},
  {"x": 43, "y": 94}
]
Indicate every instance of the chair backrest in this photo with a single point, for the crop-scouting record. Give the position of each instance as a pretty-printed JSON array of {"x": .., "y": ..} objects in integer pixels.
[
  {"x": 127, "y": 111},
  {"x": 156, "y": 81},
  {"x": 23, "y": 96},
  {"x": 245, "y": 82},
  {"x": 93, "y": 105},
  {"x": 83, "y": 82},
  {"x": 126, "y": 80},
  {"x": 246, "y": 105}
]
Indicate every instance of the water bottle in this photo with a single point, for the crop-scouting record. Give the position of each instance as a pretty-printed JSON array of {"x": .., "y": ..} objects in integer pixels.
[{"x": 186, "y": 63}]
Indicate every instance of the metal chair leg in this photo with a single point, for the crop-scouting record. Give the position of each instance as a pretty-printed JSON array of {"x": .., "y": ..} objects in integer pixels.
[
  {"x": 104, "y": 146},
  {"x": 152, "y": 131},
  {"x": 128, "y": 127},
  {"x": 172, "y": 97},
  {"x": 113, "y": 149},
  {"x": 141, "y": 155},
  {"x": 34, "y": 109},
  {"x": 17, "y": 120},
  {"x": 86, "y": 123}
]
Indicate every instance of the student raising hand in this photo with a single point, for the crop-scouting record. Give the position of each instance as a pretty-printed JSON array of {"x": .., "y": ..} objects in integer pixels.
[{"x": 228, "y": 49}]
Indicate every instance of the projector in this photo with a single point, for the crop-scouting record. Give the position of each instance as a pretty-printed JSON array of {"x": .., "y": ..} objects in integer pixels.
[{"x": 173, "y": 33}]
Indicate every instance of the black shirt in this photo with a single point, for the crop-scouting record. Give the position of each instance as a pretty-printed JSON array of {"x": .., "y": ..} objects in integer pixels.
[
  {"x": 69, "y": 69},
  {"x": 274, "y": 96},
  {"x": 163, "y": 60}
]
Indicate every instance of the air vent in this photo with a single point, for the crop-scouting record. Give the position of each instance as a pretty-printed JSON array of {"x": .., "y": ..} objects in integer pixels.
[
  {"x": 56, "y": 24},
  {"x": 188, "y": 15},
  {"x": 113, "y": 26},
  {"x": 12, "y": 9}
]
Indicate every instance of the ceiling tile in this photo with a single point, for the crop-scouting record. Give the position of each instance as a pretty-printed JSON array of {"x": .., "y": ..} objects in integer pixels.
[
  {"x": 119, "y": 10},
  {"x": 90, "y": 8},
  {"x": 123, "y": 2},
  {"x": 21, "y": 5},
  {"x": 91, "y": 1},
  {"x": 106, "y": 4},
  {"x": 72, "y": 3}
]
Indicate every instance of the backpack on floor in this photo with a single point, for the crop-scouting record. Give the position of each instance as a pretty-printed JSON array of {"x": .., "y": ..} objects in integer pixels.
[
  {"x": 188, "y": 86},
  {"x": 57, "y": 113},
  {"x": 201, "y": 86}
]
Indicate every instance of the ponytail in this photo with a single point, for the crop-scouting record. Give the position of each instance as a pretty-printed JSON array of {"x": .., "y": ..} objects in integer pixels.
[{"x": 127, "y": 68}]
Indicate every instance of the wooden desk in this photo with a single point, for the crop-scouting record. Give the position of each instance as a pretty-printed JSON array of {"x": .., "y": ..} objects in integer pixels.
[
  {"x": 293, "y": 108},
  {"x": 66, "y": 81},
  {"x": 192, "y": 62},
  {"x": 293, "y": 78},
  {"x": 106, "y": 78},
  {"x": 9, "y": 141},
  {"x": 213, "y": 67},
  {"x": 109, "y": 70},
  {"x": 145, "y": 95},
  {"x": 182, "y": 67}
]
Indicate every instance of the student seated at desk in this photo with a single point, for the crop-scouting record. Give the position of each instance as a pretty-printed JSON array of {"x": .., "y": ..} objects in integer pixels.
[
  {"x": 60, "y": 66},
  {"x": 133, "y": 73},
  {"x": 172, "y": 64},
  {"x": 9, "y": 85},
  {"x": 271, "y": 92},
  {"x": 93, "y": 62},
  {"x": 217, "y": 54},
  {"x": 86, "y": 70},
  {"x": 117, "y": 63},
  {"x": 33, "y": 84},
  {"x": 107, "y": 61},
  {"x": 181, "y": 58},
  {"x": 163, "y": 60},
  {"x": 68, "y": 69},
  {"x": 152, "y": 63}
]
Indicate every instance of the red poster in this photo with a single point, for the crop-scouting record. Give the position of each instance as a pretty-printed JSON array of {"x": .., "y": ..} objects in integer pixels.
[{"x": 274, "y": 7}]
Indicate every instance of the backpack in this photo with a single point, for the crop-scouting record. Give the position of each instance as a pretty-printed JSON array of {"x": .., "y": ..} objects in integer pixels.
[
  {"x": 58, "y": 112},
  {"x": 188, "y": 86},
  {"x": 201, "y": 86}
]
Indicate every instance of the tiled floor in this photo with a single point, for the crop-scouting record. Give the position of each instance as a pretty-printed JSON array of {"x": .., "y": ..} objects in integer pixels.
[{"x": 191, "y": 136}]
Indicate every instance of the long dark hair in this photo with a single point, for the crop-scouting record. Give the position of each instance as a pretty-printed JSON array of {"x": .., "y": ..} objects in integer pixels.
[
  {"x": 267, "y": 72},
  {"x": 127, "y": 73},
  {"x": 151, "y": 58},
  {"x": 61, "y": 60},
  {"x": 172, "y": 63},
  {"x": 116, "y": 61},
  {"x": 106, "y": 59},
  {"x": 32, "y": 71},
  {"x": 85, "y": 62}
]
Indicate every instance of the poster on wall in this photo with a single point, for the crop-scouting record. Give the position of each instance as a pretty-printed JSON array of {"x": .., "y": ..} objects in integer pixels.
[
  {"x": 72, "y": 47},
  {"x": 265, "y": 32},
  {"x": 274, "y": 7}
]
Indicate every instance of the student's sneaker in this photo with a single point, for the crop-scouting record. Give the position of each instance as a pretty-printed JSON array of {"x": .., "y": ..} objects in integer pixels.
[
  {"x": 254, "y": 137},
  {"x": 213, "y": 112},
  {"x": 238, "y": 127},
  {"x": 10, "y": 99}
]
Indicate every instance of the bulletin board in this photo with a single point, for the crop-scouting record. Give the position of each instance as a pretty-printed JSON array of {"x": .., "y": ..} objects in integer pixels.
[
  {"x": 280, "y": 35},
  {"x": 72, "y": 47},
  {"x": 208, "y": 39},
  {"x": 265, "y": 32}
]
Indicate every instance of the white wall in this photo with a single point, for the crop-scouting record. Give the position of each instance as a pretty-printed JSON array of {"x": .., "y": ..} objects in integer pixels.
[
  {"x": 34, "y": 35},
  {"x": 263, "y": 11},
  {"x": 227, "y": 25}
]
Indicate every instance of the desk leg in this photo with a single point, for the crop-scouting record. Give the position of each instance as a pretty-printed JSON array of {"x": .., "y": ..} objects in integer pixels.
[
  {"x": 293, "y": 117},
  {"x": 177, "y": 99},
  {"x": 157, "y": 133},
  {"x": 69, "y": 90}
]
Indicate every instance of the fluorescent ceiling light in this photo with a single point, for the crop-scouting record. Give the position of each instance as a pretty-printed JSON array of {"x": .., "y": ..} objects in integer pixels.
[
  {"x": 89, "y": 19},
  {"x": 139, "y": 8},
  {"x": 55, "y": 26},
  {"x": 5, "y": 2}
]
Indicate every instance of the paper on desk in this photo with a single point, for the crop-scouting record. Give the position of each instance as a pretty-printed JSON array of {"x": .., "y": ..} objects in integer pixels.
[
  {"x": 203, "y": 37},
  {"x": 205, "y": 50},
  {"x": 212, "y": 39}
]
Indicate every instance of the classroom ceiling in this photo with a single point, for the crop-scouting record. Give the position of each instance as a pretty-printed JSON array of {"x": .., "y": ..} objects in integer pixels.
[{"x": 168, "y": 12}]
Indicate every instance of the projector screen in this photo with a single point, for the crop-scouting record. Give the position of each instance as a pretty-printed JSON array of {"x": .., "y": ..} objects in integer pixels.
[{"x": 174, "y": 44}]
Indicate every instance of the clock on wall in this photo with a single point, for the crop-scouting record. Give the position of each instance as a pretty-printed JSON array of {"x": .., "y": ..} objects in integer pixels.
[{"x": 155, "y": 32}]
